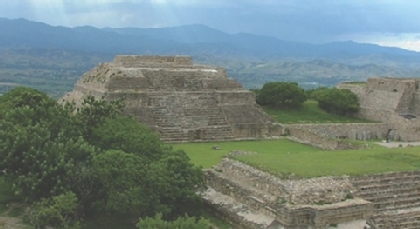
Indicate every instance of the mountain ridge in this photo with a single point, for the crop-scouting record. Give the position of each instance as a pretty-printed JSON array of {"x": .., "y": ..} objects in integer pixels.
[
  {"x": 179, "y": 38},
  {"x": 251, "y": 59}
]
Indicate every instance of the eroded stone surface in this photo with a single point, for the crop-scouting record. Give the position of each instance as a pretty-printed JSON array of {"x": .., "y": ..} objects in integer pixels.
[
  {"x": 391, "y": 100},
  {"x": 381, "y": 201},
  {"x": 293, "y": 203},
  {"x": 178, "y": 99}
]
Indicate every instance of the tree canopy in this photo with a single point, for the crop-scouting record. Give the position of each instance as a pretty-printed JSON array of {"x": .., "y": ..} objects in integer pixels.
[
  {"x": 93, "y": 156},
  {"x": 337, "y": 101},
  {"x": 281, "y": 94}
]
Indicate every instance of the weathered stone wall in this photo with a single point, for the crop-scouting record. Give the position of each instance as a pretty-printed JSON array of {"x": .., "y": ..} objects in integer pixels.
[
  {"x": 306, "y": 203},
  {"x": 383, "y": 201},
  {"x": 322, "y": 142},
  {"x": 135, "y": 61},
  {"x": 415, "y": 108},
  {"x": 386, "y": 99},
  {"x": 352, "y": 131},
  {"x": 177, "y": 99},
  {"x": 358, "y": 88},
  {"x": 386, "y": 94},
  {"x": 306, "y": 191}
]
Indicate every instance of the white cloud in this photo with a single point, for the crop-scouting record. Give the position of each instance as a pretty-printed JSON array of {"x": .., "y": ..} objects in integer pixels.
[{"x": 410, "y": 45}]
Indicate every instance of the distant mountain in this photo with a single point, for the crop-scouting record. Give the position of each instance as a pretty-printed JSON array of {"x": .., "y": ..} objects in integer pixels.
[
  {"x": 188, "y": 39},
  {"x": 251, "y": 59}
]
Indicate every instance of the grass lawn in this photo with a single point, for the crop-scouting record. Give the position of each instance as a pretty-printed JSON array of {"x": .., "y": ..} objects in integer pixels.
[
  {"x": 284, "y": 157},
  {"x": 308, "y": 113},
  {"x": 202, "y": 153}
]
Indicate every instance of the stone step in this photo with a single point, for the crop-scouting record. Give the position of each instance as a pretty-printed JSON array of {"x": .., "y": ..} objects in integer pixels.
[
  {"x": 403, "y": 219},
  {"x": 383, "y": 204},
  {"x": 240, "y": 215},
  {"x": 217, "y": 133},
  {"x": 387, "y": 177},
  {"x": 246, "y": 190},
  {"x": 390, "y": 193},
  {"x": 390, "y": 182}
]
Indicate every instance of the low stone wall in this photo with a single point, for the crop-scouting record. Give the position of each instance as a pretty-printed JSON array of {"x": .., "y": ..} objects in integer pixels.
[
  {"x": 321, "y": 142},
  {"x": 402, "y": 129},
  {"x": 305, "y": 191},
  {"x": 325, "y": 215},
  {"x": 383, "y": 201},
  {"x": 306, "y": 203},
  {"x": 236, "y": 213},
  {"x": 352, "y": 131}
]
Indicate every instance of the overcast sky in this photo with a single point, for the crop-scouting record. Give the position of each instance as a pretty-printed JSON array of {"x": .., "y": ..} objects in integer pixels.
[{"x": 386, "y": 22}]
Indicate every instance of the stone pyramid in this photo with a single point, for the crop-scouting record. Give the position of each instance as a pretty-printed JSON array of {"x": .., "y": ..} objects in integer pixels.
[{"x": 182, "y": 101}]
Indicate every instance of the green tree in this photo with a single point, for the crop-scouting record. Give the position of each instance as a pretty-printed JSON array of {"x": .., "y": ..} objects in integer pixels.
[
  {"x": 127, "y": 134},
  {"x": 111, "y": 163},
  {"x": 39, "y": 150},
  {"x": 314, "y": 94},
  {"x": 178, "y": 182},
  {"x": 58, "y": 212},
  {"x": 281, "y": 94},
  {"x": 185, "y": 222},
  {"x": 128, "y": 188},
  {"x": 338, "y": 101},
  {"x": 133, "y": 186},
  {"x": 93, "y": 112}
]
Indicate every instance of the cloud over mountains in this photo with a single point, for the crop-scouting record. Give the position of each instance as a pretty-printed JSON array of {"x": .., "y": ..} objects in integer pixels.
[{"x": 374, "y": 21}]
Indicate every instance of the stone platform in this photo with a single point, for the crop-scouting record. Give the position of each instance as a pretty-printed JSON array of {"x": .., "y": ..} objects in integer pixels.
[
  {"x": 181, "y": 101},
  {"x": 253, "y": 199}
]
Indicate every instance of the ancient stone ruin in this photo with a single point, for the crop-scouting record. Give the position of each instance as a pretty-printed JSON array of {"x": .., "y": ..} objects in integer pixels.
[
  {"x": 182, "y": 101},
  {"x": 186, "y": 102},
  {"x": 250, "y": 198},
  {"x": 395, "y": 101}
]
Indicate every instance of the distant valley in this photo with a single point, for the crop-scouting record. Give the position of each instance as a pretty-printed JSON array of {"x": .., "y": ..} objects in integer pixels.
[{"x": 53, "y": 58}]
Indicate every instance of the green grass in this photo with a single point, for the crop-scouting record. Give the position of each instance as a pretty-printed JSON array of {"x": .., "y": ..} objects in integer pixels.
[
  {"x": 202, "y": 153},
  {"x": 283, "y": 157},
  {"x": 308, "y": 113}
]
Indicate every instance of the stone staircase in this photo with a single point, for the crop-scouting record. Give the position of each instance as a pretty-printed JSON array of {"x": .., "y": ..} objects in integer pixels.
[
  {"x": 395, "y": 196},
  {"x": 196, "y": 118},
  {"x": 244, "y": 205}
]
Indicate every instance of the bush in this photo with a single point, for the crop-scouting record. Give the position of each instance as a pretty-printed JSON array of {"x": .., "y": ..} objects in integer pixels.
[
  {"x": 281, "y": 94},
  {"x": 181, "y": 222},
  {"x": 338, "y": 101},
  {"x": 58, "y": 211}
]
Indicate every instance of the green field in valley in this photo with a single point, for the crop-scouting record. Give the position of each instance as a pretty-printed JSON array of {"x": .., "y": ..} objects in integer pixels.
[{"x": 283, "y": 158}]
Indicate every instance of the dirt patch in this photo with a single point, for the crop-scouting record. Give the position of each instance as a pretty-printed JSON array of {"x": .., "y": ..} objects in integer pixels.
[
  {"x": 11, "y": 223},
  {"x": 8, "y": 222}
]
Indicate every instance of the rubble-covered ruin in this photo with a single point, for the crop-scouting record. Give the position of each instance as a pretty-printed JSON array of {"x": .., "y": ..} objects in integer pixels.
[
  {"x": 253, "y": 199},
  {"x": 179, "y": 100}
]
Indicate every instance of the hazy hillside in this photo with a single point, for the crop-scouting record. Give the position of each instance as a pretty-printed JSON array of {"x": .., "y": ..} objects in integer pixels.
[{"x": 53, "y": 58}]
